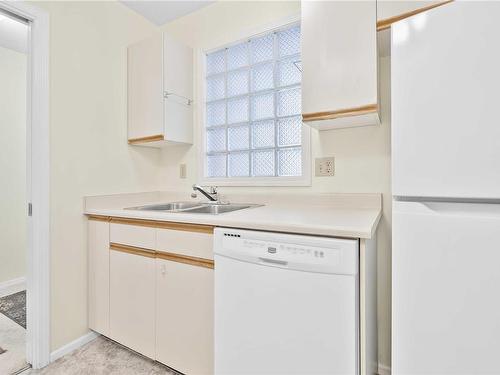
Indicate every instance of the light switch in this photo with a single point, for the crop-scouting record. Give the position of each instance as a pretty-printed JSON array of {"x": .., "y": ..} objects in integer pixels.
[{"x": 182, "y": 171}]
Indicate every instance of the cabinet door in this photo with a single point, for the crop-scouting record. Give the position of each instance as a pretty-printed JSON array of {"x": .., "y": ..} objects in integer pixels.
[
  {"x": 178, "y": 82},
  {"x": 184, "y": 311},
  {"x": 339, "y": 62},
  {"x": 132, "y": 301},
  {"x": 98, "y": 247},
  {"x": 145, "y": 89},
  {"x": 390, "y": 9}
]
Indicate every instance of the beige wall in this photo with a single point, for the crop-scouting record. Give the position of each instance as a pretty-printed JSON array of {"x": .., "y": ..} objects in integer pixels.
[
  {"x": 12, "y": 164},
  {"x": 89, "y": 153},
  {"x": 88, "y": 142},
  {"x": 362, "y": 155}
]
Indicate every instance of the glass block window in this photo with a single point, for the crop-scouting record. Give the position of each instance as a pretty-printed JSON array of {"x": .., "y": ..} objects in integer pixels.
[{"x": 253, "y": 117}]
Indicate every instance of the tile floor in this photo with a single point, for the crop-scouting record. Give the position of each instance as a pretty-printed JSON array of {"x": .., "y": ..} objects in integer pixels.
[
  {"x": 103, "y": 357},
  {"x": 13, "y": 341},
  {"x": 99, "y": 357}
]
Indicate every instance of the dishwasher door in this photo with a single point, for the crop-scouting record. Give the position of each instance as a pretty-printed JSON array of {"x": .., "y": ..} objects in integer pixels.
[{"x": 275, "y": 314}]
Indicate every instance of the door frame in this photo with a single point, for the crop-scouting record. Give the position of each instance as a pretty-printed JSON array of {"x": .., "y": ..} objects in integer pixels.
[{"x": 37, "y": 178}]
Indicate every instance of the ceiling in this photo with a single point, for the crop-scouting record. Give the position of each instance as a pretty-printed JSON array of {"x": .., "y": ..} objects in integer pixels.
[{"x": 161, "y": 12}]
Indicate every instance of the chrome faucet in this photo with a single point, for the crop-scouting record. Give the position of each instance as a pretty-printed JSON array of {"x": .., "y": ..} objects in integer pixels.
[{"x": 211, "y": 194}]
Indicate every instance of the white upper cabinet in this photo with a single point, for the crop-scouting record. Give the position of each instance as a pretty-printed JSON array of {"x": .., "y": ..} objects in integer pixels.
[
  {"x": 389, "y": 12},
  {"x": 339, "y": 62},
  {"x": 160, "y": 92}
]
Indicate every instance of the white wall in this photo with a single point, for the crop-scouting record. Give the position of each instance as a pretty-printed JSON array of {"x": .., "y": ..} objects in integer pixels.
[
  {"x": 89, "y": 153},
  {"x": 362, "y": 155},
  {"x": 13, "y": 71}
]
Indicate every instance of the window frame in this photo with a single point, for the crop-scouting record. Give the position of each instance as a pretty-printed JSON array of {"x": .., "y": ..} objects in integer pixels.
[{"x": 304, "y": 179}]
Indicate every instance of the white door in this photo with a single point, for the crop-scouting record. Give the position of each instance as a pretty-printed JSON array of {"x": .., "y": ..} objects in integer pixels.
[
  {"x": 445, "y": 285},
  {"x": 272, "y": 320},
  {"x": 445, "y": 91}
]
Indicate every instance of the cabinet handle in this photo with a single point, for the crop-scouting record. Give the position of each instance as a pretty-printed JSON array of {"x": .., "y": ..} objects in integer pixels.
[
  {"x": 167, "y": 94},
  {"x": 163, "y": 270}
]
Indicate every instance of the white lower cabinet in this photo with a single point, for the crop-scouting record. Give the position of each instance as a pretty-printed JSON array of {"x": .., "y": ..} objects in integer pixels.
[
  {"x": 132, "y": 301},
  {"x": 151, "y": 288},
  {"x": 98, "y": 247},
  {"x": 184, "y": 316}
]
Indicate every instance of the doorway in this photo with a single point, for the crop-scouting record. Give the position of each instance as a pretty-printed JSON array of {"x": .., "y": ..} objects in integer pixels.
[
  {"x": 13, "y": 197},
  {"x": 24, "y": 170}
]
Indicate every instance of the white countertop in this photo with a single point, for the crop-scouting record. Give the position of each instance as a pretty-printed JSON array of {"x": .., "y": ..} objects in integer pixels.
[{"x": 339, "y": 215}]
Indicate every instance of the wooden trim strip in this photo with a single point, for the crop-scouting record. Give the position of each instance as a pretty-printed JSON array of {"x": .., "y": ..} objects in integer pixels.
[
  {"x": 347, "y": 112},
  {"x": 149, "y": 253},
  {"x": 150, "y": 138},
  {"x": 132, "y": 250},
  {"x": 99, "y": 218},
  {"x": 387, "y": 22},
  {"x": 194, "y": 261},
  {"x": 164, "y": 225}
]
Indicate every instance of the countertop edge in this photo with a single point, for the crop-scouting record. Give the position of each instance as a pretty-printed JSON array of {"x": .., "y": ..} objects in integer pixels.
[{"x": 217, "y": 221}]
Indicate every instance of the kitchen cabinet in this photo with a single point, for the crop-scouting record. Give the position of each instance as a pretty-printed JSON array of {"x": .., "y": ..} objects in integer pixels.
[
  {"x": 151, "y": 289},
  {"x": 184, "y": 316},
  {"x": 389, "y": 12},
  {"x": 339, "y": 62},
  {"x": 160, "y": 92},
  {"x": 132, "y": 299},
  {"x": 98, "y": 253}
]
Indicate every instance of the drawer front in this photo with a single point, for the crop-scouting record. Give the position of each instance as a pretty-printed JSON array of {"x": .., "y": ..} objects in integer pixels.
[
  {"x": 194, "y": 244},
  {"x": 133, "y": 235}
]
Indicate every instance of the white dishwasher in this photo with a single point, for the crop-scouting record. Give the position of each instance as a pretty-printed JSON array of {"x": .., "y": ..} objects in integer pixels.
[{"x": 285, "y": 304}]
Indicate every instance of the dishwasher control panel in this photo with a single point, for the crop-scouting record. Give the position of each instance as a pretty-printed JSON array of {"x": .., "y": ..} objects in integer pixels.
[
  {"x": 287, "y": 249},
  {"x": 308, "y": 253}
]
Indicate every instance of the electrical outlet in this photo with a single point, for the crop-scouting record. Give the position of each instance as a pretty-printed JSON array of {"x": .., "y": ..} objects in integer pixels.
[
  {"x": 182, "y": 170},
  {"x": 324, "y": 166}
]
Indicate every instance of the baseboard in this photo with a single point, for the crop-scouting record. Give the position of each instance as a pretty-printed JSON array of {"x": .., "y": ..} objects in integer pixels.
[
  {"x": 383, "y": 369},
  {"x": 12, "y": 286},
  {"x": 73, "y": 345}
]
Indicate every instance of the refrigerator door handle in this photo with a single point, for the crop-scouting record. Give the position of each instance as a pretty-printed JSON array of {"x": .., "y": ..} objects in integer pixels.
[{"x": 401, "y": 198}]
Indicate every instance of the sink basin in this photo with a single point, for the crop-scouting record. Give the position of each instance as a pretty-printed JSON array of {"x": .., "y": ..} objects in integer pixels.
[
  {"x": 172, "y": 206},
  {"x": 215, "y": 209},
  {"x": 194, "y": 207}
]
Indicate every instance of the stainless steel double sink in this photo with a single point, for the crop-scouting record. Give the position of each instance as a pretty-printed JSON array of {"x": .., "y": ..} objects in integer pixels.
[{"x": 214, "y": 208}]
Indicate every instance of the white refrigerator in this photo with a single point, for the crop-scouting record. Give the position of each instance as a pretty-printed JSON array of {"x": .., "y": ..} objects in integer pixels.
[{"x": 445, "y": 77}]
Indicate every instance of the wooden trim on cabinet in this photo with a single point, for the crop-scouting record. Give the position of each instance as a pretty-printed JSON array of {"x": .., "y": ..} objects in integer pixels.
[
  {"x": 185, "y": 227},
  {"x": 150, "y": 138},
  {"x": 99, "y": 218},
  {"x": 346, "y": 112},
  {"x": 132, "y": 250},
  {"x": 164, "y": 225},
  {"x": 173, "y": 257},
  {"x": 387, "y": 22},
  {"x": 193, "y": 261}
]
